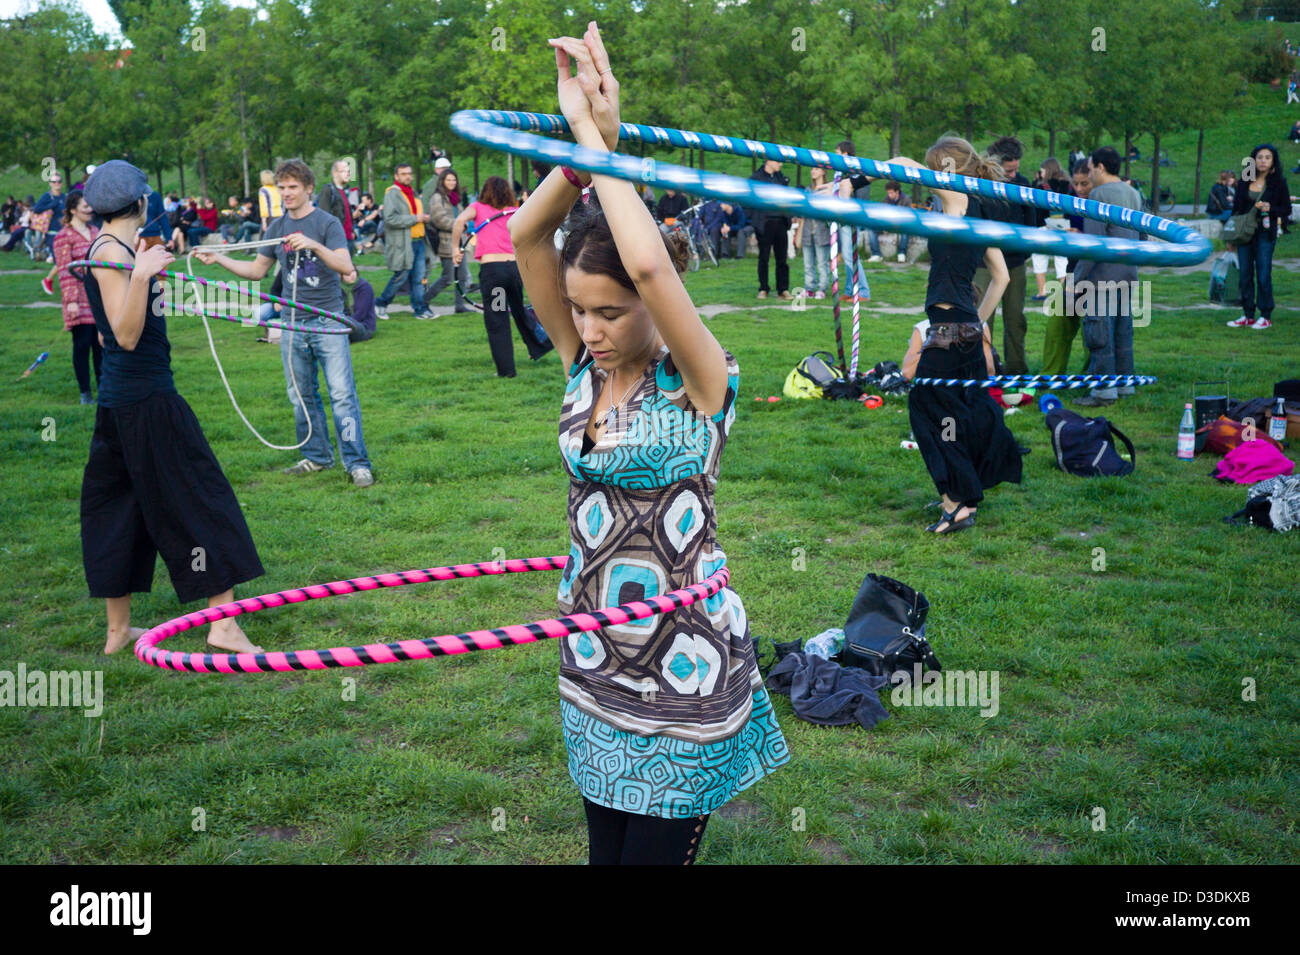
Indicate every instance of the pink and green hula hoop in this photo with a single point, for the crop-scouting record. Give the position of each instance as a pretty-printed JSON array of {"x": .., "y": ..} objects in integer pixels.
[
  {"x": 343, "y": 328},
  {"x": 147, "y": 650}
]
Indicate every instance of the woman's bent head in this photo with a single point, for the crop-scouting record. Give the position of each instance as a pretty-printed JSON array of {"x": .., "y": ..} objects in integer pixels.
[{"x": 608, "y": 313}]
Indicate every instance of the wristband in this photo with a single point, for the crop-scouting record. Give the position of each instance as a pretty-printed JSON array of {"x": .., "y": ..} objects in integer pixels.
[{"x": 572, "y": 176}]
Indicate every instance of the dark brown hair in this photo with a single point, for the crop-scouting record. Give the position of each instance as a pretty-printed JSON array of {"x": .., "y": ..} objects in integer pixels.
[
  {"x": 70, "y": 205},
  {"x": 497, "y": 193},
  {"x": 442, "y": 183},
  {"x": 589, "y": 246}
]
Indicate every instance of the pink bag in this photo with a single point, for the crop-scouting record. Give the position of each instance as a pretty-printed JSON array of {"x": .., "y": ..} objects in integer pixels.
[{"x": 1253, "y": 461}]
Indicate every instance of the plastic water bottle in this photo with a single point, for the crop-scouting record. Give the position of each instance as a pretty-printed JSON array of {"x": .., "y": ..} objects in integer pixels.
[
  {"x": 826, "y": 644},
  {"x": 1277, "y": 423},
  {"x": 1187, "y": 434}
]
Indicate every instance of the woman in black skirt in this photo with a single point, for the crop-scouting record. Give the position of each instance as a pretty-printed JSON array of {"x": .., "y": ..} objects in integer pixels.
[
  {"x": 152, "y": 484},
  {"x": 966, "y": 445}
]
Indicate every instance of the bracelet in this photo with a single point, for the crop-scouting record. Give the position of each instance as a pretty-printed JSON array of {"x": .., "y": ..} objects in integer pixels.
[{"x": 572, "y": 176}]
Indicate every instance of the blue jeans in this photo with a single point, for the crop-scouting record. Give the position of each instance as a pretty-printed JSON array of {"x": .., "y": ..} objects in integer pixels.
[
  {"x": 847, "y": 237},
  {"x": 301, "y": 352},
  {"x": 416, "y": 276},
  {"x": 1223, "y": 216},
  {"x": 1116, "y": 356},
  {"x": 816, "y": 265},
  {"x": 873, "y": 239},
  {"x": 1255, "y": 260}
]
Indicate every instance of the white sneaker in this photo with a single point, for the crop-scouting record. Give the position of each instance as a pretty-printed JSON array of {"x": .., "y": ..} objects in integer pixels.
[
  {"x": 362, "y": 477},
  {"x": 381, "y": 312},
  {"x": 1262, "y": 322},
  {"x": 902, "y": 256},
  {"x": 1242, "y": 322},
  {"x": 819, "y": 295},
  {"x": 874, "y": 258}
]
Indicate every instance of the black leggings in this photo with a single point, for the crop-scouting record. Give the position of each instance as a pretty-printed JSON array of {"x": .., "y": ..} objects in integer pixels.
[
  {"x": 626, "y": 838},
  {"x": 85, "y": 346},
  {"x": 503, "y": 296}
]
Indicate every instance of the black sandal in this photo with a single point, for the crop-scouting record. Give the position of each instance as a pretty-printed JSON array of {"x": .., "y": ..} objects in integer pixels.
[{"x": 953, "y": 524}]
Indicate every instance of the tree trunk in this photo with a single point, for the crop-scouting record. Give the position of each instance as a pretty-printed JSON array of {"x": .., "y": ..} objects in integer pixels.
[
  {"x": 1051, "y": 141},
  {"x": 476, "y": 189},
  {"x": 370, "y": 169},
  {"x": 180, "y": 166},
  {"x": 1128, "y": 148},
  {"x": 896, "y": 135},
  {"x": 243, "y": 139},
  {"x": 1155, "y": 172},
  {"x": 1196, "y": 189},
  {"x": 510, "y": 170},
  {"x": 203, "y": 176},
  {"x": 970, "y": 122}
]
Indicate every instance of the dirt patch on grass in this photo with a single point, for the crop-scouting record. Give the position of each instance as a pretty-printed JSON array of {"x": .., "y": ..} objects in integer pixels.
[
  {"x": 740, "y": 810},
  {"x": 828, "y": 849},
  {"x": 278, "y": 833}
]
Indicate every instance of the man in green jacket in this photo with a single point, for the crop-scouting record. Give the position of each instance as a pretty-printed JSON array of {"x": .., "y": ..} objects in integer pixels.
[{"x": 404, "y": 249}]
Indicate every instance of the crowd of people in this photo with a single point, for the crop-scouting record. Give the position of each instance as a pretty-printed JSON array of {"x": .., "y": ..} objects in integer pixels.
[{"x": 600, "y": 261}]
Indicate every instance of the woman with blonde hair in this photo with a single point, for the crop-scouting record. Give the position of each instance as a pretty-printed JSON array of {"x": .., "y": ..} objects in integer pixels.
[{"x": 963, "y": 440}]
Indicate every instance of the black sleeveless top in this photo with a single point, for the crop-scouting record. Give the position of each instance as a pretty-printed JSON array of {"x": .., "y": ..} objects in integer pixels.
[
  {"x": 952, "y": 269},
  {"x": 131, "y": 376}
]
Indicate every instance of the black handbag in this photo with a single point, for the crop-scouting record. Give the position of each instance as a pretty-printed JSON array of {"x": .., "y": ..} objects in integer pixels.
[{"x": 883, "y": 632}]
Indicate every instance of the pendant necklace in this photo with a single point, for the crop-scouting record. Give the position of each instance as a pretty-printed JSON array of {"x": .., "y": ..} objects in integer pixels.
[{"x": 613, "y": 408}]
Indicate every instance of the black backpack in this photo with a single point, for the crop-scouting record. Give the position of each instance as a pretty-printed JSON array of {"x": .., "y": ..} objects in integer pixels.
[
  {"x": 1084, "y": 446},
  {"x": 885, "y": 631}
]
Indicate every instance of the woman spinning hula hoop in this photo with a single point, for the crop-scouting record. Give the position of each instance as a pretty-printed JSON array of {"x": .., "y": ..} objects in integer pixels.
[
  {"x": 667, "y": 720},
  {"x": 151, "y": 483},
  {"x": 960, "y": 431}
]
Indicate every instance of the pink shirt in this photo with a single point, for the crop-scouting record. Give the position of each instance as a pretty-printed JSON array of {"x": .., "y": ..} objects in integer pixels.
[
  {"x": 495, "y": 238},
  {"x": 69, "y": 246}
]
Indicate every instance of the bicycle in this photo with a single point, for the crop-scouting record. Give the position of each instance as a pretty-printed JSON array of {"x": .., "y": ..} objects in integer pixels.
[
  {"x": 690, "y": 225},
  {"x": 1165, "y": 204}
]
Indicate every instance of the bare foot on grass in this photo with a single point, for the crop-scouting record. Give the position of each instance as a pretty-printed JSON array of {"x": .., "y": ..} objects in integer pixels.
[
  {"x": 117, "y": 639},
  {"x": 227, "y": 635}
]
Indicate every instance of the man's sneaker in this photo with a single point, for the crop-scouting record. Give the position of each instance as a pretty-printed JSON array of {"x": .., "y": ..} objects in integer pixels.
[
  {"x": 1262, "y": 322},
  {"x": 819, "y": 294},
  {"x": 48, "y": 286},
  {"x": 874, "y": 258},
  {"x": 87, "y": 398},
  {"x": 1242, "y": 322},
  {"x": 785, "y": 296},
  {"x": 362, "y": 477},
  {"x": 424, "y": 316},
  {"x": 762, "y": 295},
  {"x": 305, "y": 466},
  {"x": 381, "y": 311},
  {"x": 902, "y": 256}
]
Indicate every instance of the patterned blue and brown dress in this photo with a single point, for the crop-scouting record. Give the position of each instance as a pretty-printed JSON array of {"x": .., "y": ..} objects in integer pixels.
[{"x": 667, "y": 716}]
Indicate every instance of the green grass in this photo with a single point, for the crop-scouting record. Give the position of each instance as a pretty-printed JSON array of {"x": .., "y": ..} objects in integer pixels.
[{"x": 1120, "y": 689}]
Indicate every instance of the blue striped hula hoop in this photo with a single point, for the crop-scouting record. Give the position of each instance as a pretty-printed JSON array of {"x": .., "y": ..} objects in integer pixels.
[
  {"x": 504, "y": 130},
  {"x": 1041, "y": 381}
]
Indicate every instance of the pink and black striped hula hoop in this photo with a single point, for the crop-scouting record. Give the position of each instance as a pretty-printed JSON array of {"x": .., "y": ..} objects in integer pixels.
[{"x": 146, "y": 648}]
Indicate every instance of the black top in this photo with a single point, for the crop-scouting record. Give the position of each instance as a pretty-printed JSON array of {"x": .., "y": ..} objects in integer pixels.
[
  {"x": 952, "y": 268},
  {"x": 759, "y": 217},
  {"x": 1276, "y": 193},
  {"x": 1012, "y": 213},
  {"x": 670, "y": 207},
  {"x": 131, "y": 376}
]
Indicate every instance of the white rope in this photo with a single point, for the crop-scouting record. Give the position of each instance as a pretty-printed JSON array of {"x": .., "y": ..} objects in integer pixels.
[{"x": 212, "y": 345}]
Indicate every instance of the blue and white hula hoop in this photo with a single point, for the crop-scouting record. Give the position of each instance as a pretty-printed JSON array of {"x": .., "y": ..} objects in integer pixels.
[
  {"x": 1018, "y": 382},
  {"x": 503, "y": 130}
]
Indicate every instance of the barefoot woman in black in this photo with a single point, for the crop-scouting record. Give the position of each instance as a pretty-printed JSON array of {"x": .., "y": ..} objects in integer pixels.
[{"x": 151, "y": 484}]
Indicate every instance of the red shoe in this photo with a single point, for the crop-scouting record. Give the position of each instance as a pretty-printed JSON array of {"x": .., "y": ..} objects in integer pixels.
[
  {"x": 1262, "y": 322},
  {"x": 48, "y": 285}
]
